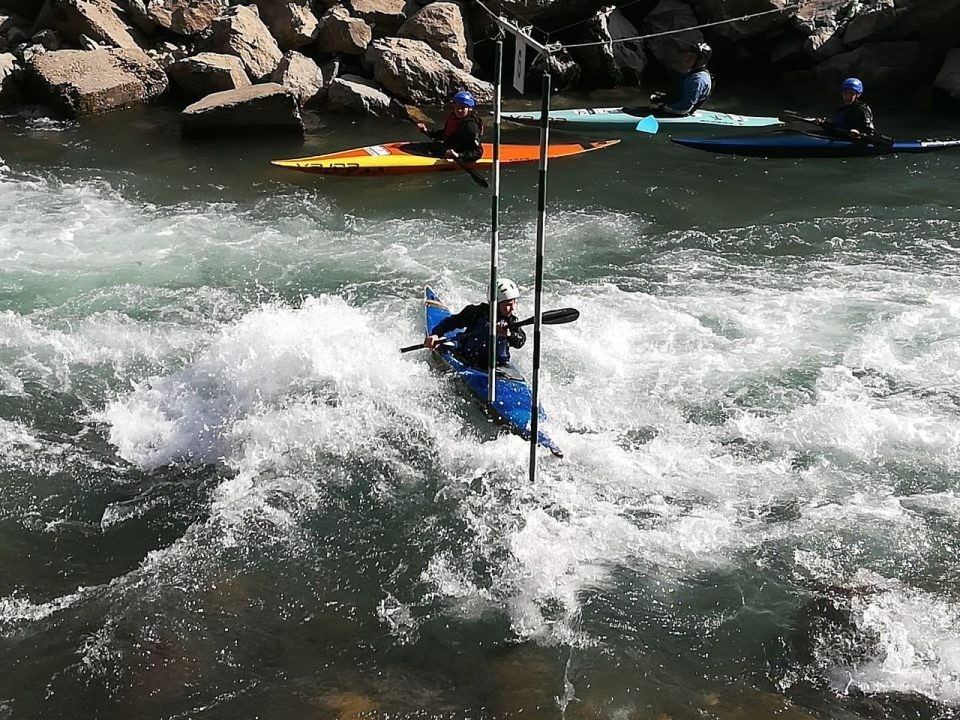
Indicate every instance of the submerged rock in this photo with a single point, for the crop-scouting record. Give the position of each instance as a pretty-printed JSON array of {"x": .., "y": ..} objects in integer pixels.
[
  {"x": 268, "y": 107},
  {"x": 87, "y": 82}
]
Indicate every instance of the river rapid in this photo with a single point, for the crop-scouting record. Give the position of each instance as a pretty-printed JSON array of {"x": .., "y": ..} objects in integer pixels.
[{"x": 225, "y": 494}]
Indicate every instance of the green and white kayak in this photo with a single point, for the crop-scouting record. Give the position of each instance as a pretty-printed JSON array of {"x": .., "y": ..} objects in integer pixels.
[{"x": 626, "y": 118}]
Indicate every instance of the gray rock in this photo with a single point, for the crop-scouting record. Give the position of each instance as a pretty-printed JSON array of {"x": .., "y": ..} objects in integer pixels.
[
  {"x": 11, "y": 76},
  {"x": 441, "y": 26},
  {"x": 609, "y": 65},
  {"x": 353, "y": 94},
  {"x": 81, "y": 82},
  {"x": 47, "y": 38},
  {"x": 872, "y": 24},
  {"x": 670, "y": 15},
  {"x": 301, "y": 76},
  {"x": 241, "y": 32},
  {"x": 258, "y": 108},
  {"x": 86, "y": 43},
  {"x": 384, "y": 16},
  {"x": 896, "y": 65},
  {"x": 718, "y": 10},
  {"x": 340, "y": 33},
  {"x": 413, "y": 71},
  {"x": 97, "y": 19},
  {"x": 9, "y": 20},
  {"x": 564, "y": 71},
  {"x": 205, "y": 73},
  {"x": 948, "y": 79}
]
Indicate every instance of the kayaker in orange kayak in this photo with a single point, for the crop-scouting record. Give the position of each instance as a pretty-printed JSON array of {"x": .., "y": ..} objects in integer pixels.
[{"x": 459, "y": 137}]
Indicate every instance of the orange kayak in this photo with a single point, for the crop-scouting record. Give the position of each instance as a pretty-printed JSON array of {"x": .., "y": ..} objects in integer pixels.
[{"x": 409, "y": 157}]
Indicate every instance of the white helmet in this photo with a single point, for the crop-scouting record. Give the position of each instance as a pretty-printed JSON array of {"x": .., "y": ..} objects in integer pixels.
[{"x": 507, "y": 290}]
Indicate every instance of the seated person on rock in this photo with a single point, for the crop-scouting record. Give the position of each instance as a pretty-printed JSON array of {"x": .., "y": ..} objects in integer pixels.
[
  {"x": 459, "y": 137},
  {"x": 475, "y": 321},
  {"x": 854, "y": 118},
  {"x": 693, "y": 88}
]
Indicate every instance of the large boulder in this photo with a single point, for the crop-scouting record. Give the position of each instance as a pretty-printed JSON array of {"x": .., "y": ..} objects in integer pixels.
[
  {"x": 292, "y": 24},
  {"x": 10, "y": 78},
  {"x": 722, "y": 10},
  {"x": 882, "y": 66},
  {"x": 413, "y": 71},
  {"x": 241, "y": 32},
  {"x": 948, "y": 79},
  {"x": 935, "y": 21},
  {"x": 301, "y": 76},
  {"x": 82, "y": 82},
  {"x": 267, "y": 107},
  {"x": 190, "y": 18},
  {"x": 611, "y": 64},
  {"x": 341, "y": 33},
  {"x": 563, "y": 70},
  {"x": 873, "y": 23},
  {"x": 670, "y": 15},
  {"x": 205, "y": 73},
  {"x": 97, "y": 19},
  {"x": 441, "y": 26},
  {"x": 353, "y": 94},
  {"x": 384, "y": 16}
]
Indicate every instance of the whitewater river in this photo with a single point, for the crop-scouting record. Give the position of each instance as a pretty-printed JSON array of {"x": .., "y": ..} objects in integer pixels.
[{"x": 225, "y": 494}]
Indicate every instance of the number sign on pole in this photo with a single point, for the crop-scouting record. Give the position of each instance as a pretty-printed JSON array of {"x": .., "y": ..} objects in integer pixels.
[{"x": 519, "y": 62}]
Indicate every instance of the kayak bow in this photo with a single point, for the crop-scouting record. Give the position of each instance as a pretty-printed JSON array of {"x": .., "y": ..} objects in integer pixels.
[
  {"x": 406, "y": 157},
  {"x": 514, "y": 397}
]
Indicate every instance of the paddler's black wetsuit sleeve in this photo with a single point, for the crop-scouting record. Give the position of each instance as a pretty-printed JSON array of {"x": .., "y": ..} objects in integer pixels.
[
  {"x": 466, "y": 319},
  {"x": 856, "y": 116},
  {"x": 517, "y": 337},
  {"x": 466, "y": 140}
]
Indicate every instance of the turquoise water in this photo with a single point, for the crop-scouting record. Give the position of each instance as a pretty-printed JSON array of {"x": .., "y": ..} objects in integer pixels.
[{"x": 223, "y": 493}]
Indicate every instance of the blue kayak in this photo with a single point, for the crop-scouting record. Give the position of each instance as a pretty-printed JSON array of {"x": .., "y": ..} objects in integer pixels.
[
  {"x": 793, "y": 144},
  {"x": 514, "y": 397},
  {"x": 626, "y": 118}
]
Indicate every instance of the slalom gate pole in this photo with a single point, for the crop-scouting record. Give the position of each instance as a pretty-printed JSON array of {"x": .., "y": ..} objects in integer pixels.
[
  {"x": 494, "y": 226},
  {"x": 538, "y": 281}
]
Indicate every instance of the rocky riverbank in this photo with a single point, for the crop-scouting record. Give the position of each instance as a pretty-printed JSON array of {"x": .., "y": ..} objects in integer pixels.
[{"x": 254, "y": 66}]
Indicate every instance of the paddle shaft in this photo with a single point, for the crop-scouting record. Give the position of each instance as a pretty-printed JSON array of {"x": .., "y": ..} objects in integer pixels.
[
  {"x": 550, "y": 317},
  {"x": 474, "y": 175},
  {"x": 875, "y": 139}
]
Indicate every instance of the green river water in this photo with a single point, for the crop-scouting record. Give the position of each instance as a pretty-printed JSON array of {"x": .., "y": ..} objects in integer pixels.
[{"x": 225, "y": 494}]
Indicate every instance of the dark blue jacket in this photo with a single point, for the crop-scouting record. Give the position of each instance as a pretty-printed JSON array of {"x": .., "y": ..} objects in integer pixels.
[{"x": 475, "y": 320}]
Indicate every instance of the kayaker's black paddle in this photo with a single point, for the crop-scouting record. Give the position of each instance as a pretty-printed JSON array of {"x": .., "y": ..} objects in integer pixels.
[
  {"x": 881, "y": 141},
  {"x": 413, "y": 114},
  {"x": 550, "y": 317}
]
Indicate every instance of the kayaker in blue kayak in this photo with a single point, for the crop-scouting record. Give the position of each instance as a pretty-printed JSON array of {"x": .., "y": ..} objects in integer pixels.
[
  {"x": 854, "y": 118},
  {"x": 692, "y": 89},
  {"x": 475, "y": 321},
  {"x": 459, "y": 137}
]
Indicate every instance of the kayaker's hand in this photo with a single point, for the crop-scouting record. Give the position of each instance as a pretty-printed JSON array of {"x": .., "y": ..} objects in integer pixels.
[
  {"x": 821, "y": 121},
  {"x": 421, "y": 127},
  {"x": 503, "y": 328},
  {"x": 452, "y": 154},
  {"x": 431, "y": 341},
  {"x": 854, "y": 134}
]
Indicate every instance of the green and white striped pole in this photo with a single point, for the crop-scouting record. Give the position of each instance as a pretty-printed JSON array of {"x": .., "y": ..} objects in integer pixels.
[{"x": 494, "y": 228}]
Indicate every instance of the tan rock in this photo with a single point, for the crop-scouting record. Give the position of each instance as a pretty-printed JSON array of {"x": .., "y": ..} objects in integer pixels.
[
  {"x": 267, "y": 107},
  {"x": 871, "y": 25},
  {"x": 191, "y": 17},
  {"x": 353, "y": 94},
  {"x": 340, "y": 33},
  {"x": 82, "y": 82},
  {"x": 384, "y": 16},
  {"x": 10, "y": 79},
  {"x": 441, "y": 26},
  {"x": 97, "y": 19},
  {"x": 413, "y": 71},
  {"x": 241, "y": 32},
  {"x": 301, "y": 76},
  {"x": 948, "y": 79},
  {"x": 205, "y": 73},
  {"x": 292, "y": 24}
]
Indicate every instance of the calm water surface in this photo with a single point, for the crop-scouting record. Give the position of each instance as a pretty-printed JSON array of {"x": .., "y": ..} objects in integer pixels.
[{"x": 224, "y": 494}]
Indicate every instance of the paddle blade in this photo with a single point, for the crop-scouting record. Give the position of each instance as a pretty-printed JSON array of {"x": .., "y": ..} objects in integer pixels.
[
  {"x": 559, "y": 316},
  {"x": 649, "y": 125}
]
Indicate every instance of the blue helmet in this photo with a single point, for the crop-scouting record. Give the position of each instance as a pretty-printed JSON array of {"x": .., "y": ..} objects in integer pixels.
[
  {"x": 852, "y": 84},
  {"x": 465, "y": 98}
]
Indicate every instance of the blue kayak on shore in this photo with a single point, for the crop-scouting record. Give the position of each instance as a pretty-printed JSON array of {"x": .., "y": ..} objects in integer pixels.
[
  {"x": 514, "y": 396},
  {"x": 792, "y": 144},
  {"x": 626, "y": 118}
]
